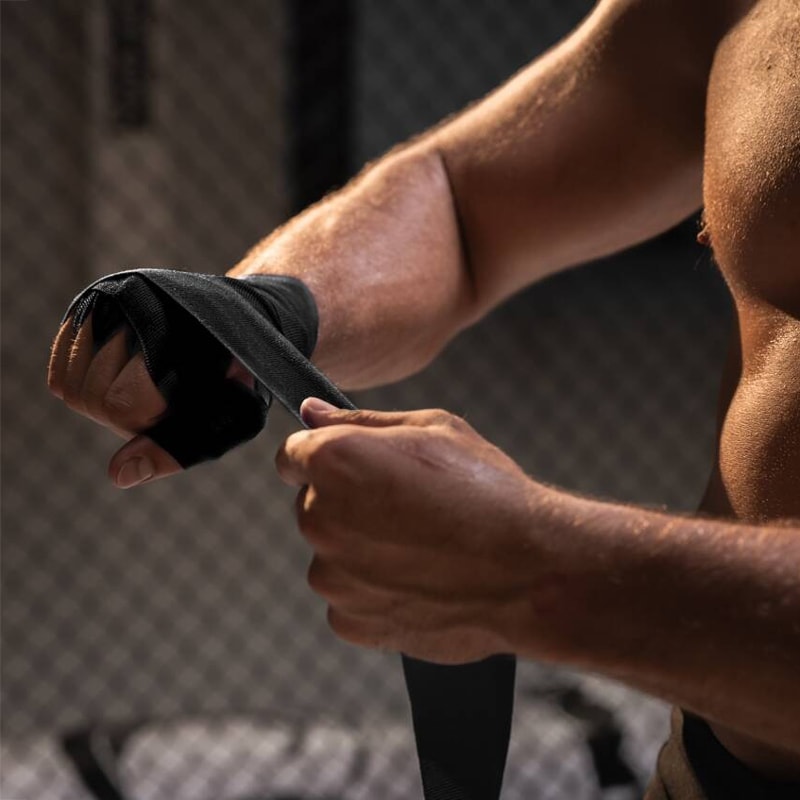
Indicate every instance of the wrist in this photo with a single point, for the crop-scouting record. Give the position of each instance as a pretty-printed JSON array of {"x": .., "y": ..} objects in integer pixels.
[
  {"x": 533, "y": 621},
  {"x": 289, "y": 303},
  {"x": 560, "y": 612}
]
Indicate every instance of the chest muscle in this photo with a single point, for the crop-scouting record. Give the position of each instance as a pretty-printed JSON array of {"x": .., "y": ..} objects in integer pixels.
[
  {"x": 752, "y": 169},
  {"x": 752, "y": 199}
]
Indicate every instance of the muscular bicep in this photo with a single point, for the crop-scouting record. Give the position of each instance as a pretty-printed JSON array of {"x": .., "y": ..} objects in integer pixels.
[{"x": 593, "y": 147}]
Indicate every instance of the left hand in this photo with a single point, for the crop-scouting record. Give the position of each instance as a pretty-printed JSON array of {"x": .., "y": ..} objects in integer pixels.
[
  {"x": 114, "y": 388},
  {"x": 420, "y": 530}
]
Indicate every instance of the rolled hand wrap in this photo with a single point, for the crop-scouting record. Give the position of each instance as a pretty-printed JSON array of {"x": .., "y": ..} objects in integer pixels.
[{"x": 188, "y": 326}]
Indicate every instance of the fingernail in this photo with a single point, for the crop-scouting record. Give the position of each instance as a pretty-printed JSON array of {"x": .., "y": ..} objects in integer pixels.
[
  {"x": 135, "y": 471},
  {"x": 313, "y": 405}
]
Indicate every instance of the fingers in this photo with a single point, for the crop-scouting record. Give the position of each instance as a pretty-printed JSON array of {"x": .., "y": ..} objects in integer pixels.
[
  {"x": 116, "y": 391},
  {"x": 103, "y": 371},
  {"x": 327, "y": 447},
  {"x": 441, "y": 644},
  {"x": 317, "y": 413},
  {"x": 345, "y": 591},
  {"x": 367, "y": 632},
  {"x": 293, "y": 459},
  {"x": 132, "y": 401},
  {"x": 59, "y": 359},
  {"x": 109, "y": 386},
  {"x": 140, "y": 461},
  {"x": 78, "y": 361},
  {"x": 356, "y": 613},
  {"x": 71, "y": 356}
]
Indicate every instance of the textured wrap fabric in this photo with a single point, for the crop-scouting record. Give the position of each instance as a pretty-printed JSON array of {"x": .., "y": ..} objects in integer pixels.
[
  {"x": 462, "y": 723},
  {"x": 188, "y": 326},
  {"x": 693, "y": 765}
]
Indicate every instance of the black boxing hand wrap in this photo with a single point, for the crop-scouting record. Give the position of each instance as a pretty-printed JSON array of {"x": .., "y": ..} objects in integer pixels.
[{"x": 188, "y": 326}]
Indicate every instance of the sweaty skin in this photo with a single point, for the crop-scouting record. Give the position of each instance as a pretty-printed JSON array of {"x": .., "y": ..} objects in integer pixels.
[
  {"x": 752, "y": 213},
  {"x": 650, "y": 109}
]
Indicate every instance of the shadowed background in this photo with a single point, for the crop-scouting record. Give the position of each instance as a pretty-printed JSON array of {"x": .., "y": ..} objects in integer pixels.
[{"x": 175, "y": 619}]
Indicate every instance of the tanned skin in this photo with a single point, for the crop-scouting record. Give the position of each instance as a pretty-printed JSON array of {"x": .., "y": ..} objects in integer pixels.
[{"x": 428, "y": 539}]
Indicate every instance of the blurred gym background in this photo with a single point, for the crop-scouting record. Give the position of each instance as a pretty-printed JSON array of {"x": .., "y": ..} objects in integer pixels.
[{"x": 161, "y": 644}]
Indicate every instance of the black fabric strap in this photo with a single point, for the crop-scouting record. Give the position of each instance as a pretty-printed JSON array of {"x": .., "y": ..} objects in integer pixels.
[
  {"x": 462, "y": 724},
  {"x": 188, "y": 327}
]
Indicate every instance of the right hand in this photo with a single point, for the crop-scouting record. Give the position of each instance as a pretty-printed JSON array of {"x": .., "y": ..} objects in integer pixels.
[{"x": 115, "y": 390}]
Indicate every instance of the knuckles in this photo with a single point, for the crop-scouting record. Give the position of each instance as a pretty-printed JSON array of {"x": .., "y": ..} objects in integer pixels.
[
  {"x": 459, "y": 425},
  {"x": 439, "y": 418}
]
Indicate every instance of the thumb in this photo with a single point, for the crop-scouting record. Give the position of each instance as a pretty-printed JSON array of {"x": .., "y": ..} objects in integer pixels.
[
  {"x": 317, "y": 413},
  {"x": 139, "y": 461}
]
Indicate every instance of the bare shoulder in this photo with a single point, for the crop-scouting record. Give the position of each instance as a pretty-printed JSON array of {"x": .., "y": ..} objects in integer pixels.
[
  {"x": 700, "y": 24},
  {"x": 677, "y": 40}
]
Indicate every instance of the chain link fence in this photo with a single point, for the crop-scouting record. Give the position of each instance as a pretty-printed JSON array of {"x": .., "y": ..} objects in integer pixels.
[{"x": 162, "y": 643}]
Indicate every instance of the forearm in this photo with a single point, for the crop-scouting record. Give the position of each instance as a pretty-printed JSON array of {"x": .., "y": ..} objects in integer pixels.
[
  {"x": 693, "y": 610},
  {"x": 384, "y": 261}
]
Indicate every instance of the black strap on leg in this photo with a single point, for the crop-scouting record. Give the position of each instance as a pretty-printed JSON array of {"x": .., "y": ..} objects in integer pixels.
[{"x": 188, "y": 326}]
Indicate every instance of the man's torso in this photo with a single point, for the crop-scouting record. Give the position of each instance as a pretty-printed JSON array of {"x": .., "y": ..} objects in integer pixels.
[{"x": 752, "y": 209}]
